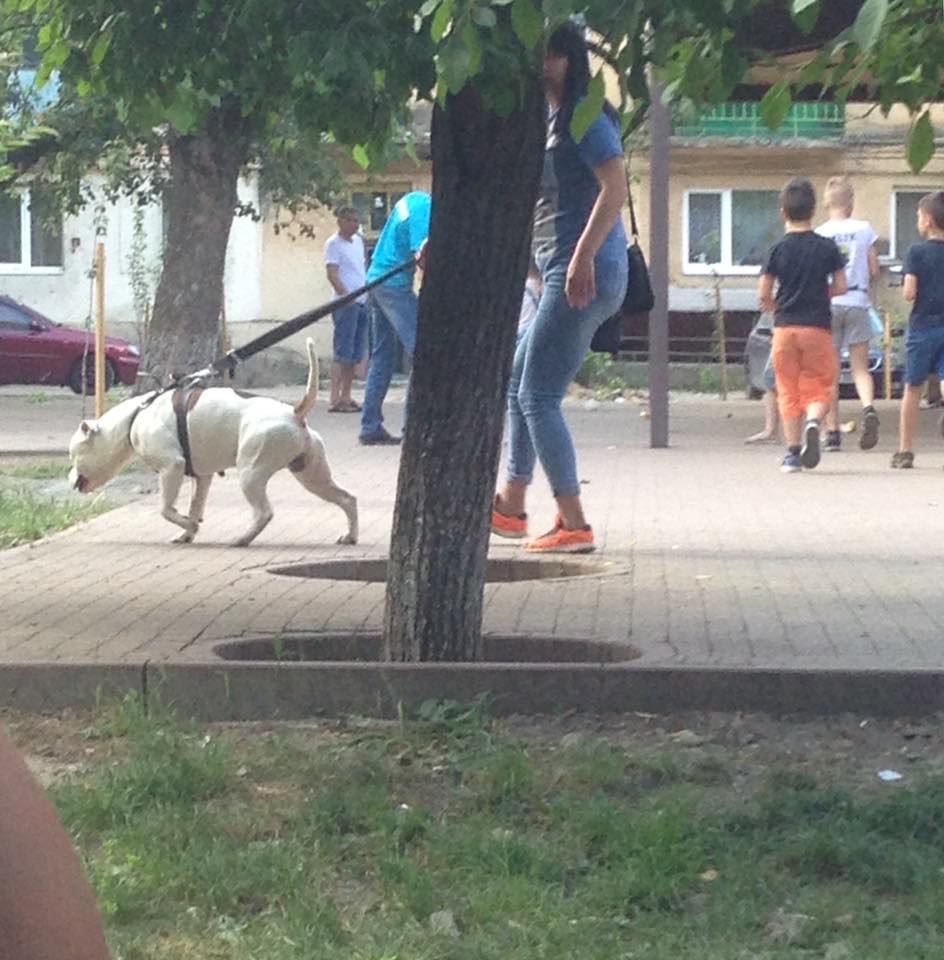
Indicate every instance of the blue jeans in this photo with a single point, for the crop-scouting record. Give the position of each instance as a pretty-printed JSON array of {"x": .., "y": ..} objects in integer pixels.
[
  {"x": 392, "y": 317},
  {"x": 548, "y": 355},
  {"x": 350, "y": 333}
]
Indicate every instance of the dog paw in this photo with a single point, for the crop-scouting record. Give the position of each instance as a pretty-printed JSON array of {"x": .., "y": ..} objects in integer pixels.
[
  {"x": 185, "y": 537},
  {"x": 347, "y": 538},
  {"x": 241, "y": 542}
]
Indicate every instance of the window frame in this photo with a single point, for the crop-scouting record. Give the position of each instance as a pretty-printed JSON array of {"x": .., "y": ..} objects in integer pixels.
[
  {"x": 724, "y": 267},
  {"x": 894, "y": 254},
  {"x": 25, "y": 266},
  {"x": 389, "y": 190}
]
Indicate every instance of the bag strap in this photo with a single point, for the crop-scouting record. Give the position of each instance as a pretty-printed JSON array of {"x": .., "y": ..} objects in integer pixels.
[{"x": 632, "y": 213}]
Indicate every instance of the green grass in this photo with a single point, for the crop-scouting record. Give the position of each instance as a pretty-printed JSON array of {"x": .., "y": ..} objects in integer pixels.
[
  {"x": 341, "y": 842},
  {"x": 26, "y": 516},
  {"x": 45, "y": 470},
  {"x": 52, "y": 470}
]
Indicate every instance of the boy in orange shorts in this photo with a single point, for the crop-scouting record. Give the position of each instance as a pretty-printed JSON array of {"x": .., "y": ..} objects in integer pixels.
[{"x": 809, "y": 270}]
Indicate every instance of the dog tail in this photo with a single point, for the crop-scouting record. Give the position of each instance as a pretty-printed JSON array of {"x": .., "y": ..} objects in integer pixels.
[{"x": 303, "y": 407}]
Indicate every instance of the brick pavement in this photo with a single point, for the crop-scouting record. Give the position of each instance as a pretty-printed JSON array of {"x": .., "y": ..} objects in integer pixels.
[{"x": 715, "y": 558}]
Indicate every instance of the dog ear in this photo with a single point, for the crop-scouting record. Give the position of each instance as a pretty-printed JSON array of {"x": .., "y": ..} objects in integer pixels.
[{"x": 88, "y": 428}]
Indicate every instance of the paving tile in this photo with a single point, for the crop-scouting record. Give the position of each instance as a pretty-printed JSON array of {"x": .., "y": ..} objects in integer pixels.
[{"x": 719, "y": 559}]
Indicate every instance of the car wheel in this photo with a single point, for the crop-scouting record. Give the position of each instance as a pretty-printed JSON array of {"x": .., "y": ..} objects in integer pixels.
[{"x": 75, "y": 375}]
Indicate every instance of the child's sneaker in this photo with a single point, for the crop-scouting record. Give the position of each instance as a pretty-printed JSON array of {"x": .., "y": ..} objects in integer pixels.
[
  {"x": 833, "y": 441},
  {"x": 510, "y": 527},
  {"x": 809, "y": 454},
  {"x": 791, "y": 463},
  {"x": 562, "y": 540},
  {"x": 869, "y": 436},
  {"x": 903, "y": 460}
]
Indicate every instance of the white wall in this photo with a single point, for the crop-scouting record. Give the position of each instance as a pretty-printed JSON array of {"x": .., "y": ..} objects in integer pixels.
[
  {"x": 65, "y": 295},
  {"x": 242, "y": 279}
]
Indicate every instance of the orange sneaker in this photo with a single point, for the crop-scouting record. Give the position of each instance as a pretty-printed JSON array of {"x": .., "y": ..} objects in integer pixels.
[
  {"x": 562, "y": 540},
  {"x": 503, "y": 525}
]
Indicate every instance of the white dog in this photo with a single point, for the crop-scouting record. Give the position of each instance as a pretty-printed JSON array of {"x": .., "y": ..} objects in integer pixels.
[{"x": 257, "y": 435}]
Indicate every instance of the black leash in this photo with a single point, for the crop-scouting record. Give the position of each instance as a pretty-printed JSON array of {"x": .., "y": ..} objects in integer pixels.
[
  {"x": 228, "y": 361},
  {"x": 186, "y": 387}
]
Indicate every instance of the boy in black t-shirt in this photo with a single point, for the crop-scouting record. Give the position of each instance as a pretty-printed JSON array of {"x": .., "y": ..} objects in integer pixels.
[
  {"x": 924, "y": 345},
  {"x": 810, "y": 270}
]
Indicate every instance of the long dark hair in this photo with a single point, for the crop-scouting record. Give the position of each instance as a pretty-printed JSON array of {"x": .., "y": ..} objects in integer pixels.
[{"x": 568, "y": 41}]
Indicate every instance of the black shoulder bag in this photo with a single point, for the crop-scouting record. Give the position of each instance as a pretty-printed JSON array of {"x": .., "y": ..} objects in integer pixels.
[{"x": 639, "y": 297}]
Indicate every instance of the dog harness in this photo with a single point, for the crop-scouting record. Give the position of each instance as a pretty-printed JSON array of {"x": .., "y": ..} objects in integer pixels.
[{"x": 183, "y": 401}]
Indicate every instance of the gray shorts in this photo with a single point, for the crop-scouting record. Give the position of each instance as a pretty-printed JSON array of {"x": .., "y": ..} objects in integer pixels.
[{"x": 850, "y": 325}]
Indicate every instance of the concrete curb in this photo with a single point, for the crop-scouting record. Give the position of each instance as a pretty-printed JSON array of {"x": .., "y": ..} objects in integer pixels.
[
  {"x": 256, "y": 691},
  {"x": 42, "y": 687}
]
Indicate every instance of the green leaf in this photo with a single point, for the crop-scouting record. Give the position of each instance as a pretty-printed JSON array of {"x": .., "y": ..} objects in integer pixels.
[
  {"x": 868, "y": 24},
  {"x": 527, "y": 23},
  {"x": 360, "y": 156},
  {"x": 812, "y": 72},
  {"x": 181, "y": 116},
  {"x": 920, "y": 146},
  {"x": 428, "y": 7},
  {"x": 484, "y": 17},
  {"x": 454, "y": 61},
  {"x": 100, "y": 49},
  {"x": 473, "y": 43},
  {"x": 588, "y": 109},
  {"x": 805, "y": 14},
  {"x": 441, "y": 21},
  {"x": 914, "y": 77},
  {"x": 776, "y": 104},
  {"x": 503, "y": 101},
  {"x": 557, "y": 9}
]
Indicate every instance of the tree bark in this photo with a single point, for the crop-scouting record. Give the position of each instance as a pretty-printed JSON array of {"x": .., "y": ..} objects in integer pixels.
[
  {"x": 199, "y": 205},
  {"x": 486, "y": 171}
]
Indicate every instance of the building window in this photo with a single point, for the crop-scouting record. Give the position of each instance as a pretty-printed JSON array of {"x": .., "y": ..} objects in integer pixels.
[
  {"x": 373, "y": 208},
  {"x": 729, "y": 231},
  {"x": 904, "y": 221},
  {"x": 30, "y": 237}
]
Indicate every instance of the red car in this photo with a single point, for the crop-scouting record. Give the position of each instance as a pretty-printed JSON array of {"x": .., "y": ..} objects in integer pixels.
[{"x": 33, "y": 349}]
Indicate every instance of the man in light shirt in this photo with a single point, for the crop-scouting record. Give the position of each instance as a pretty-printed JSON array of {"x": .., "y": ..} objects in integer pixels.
[
  {"x": 393, "y": 306},
  {"x": 345, "y": 265}
]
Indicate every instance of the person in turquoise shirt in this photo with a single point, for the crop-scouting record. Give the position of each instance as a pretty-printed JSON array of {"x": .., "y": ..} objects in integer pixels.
[{"x": 393, "y": 306}]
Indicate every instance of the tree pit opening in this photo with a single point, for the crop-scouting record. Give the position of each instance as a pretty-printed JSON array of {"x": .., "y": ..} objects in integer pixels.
[{"x": 374, "y": 569}]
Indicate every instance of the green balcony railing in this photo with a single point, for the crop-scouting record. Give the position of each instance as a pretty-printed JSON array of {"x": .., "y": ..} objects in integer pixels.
[{"x": 812, "y": 121}]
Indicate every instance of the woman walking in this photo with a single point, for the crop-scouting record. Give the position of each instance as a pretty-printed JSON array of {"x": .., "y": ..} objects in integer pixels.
[{"x": 580, "y": 247}]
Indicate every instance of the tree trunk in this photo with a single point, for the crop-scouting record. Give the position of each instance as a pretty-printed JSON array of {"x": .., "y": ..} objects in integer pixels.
[
  {"x": 486, "y": 171},
  {"x": 199, "y": 205}
]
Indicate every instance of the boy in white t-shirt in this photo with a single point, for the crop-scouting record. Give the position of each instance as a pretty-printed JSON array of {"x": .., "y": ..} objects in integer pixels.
[{"x": 852, "y": 326}]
